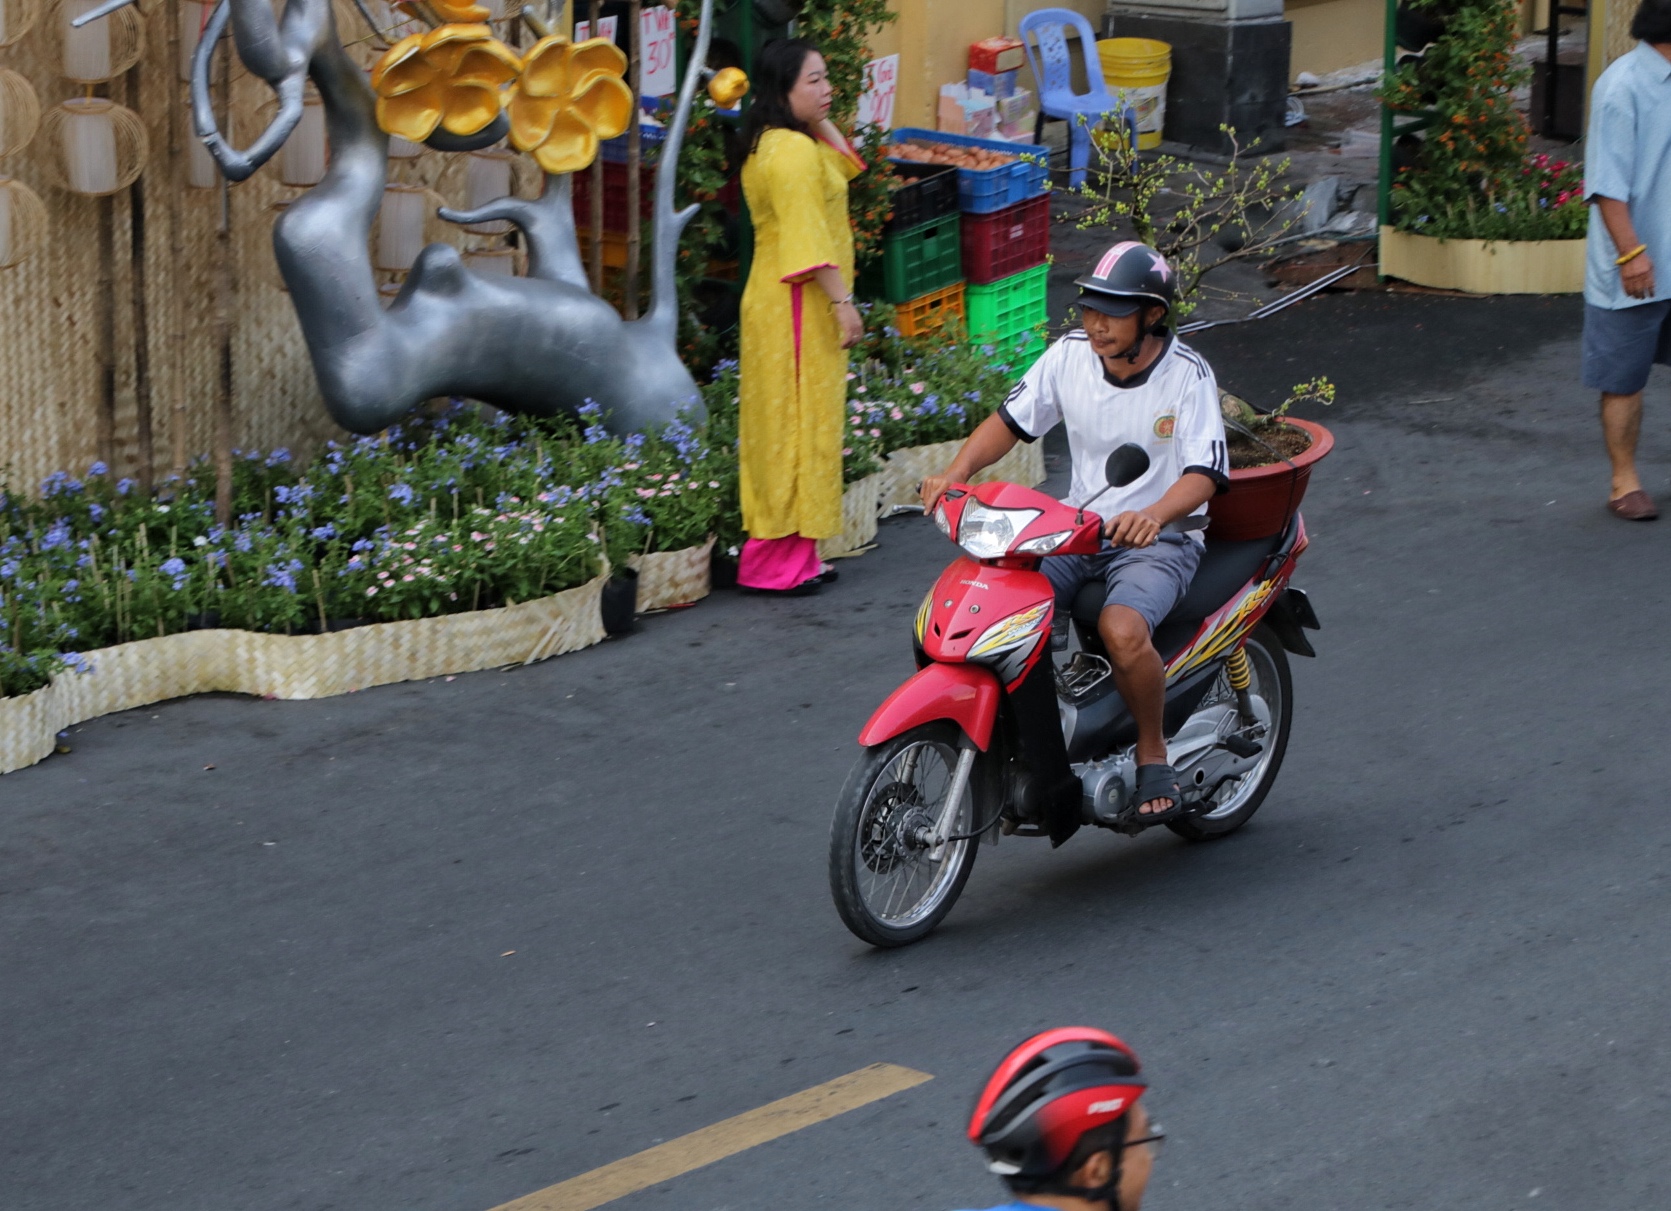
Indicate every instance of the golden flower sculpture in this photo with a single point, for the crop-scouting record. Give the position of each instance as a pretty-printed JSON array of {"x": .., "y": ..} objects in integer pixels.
[
  {"x": 570, "y": 96},
  {"x": 452, "y": 77},
  {"x": 729, "y": 86}
]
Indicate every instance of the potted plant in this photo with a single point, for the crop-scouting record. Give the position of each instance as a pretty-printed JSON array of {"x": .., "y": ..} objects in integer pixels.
[
  {"x": 1271, "y": 457},
  {"x": 1470, "y": 210}
]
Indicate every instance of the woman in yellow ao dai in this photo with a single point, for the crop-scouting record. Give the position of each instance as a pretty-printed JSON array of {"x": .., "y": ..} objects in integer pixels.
[{"x": 798, "y": 321}]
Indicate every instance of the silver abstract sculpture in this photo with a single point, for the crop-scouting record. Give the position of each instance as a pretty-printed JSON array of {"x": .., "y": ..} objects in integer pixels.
[{"x": 540, "y": 345}]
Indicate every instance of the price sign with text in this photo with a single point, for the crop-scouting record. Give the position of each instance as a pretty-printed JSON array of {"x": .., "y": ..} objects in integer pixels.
[
  {"x": 876, "y": 103},
  {"x": 606, "y": 29},
  {"x": 658, "y": 35}
]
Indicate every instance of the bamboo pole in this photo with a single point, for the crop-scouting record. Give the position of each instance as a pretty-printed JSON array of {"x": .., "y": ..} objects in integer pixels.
[
  {"x": 224, "y": 302},
  {"x": 146, "y": 451},
  {"x": 597, "y": 181},
  {"x": 179, "y": 438},
  {"x": 107, "y": 333},
  {"x": 635, "y": 142}
]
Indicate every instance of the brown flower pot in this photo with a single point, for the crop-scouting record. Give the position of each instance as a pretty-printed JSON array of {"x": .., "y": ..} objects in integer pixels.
[{"x": 1261, "y": 501}]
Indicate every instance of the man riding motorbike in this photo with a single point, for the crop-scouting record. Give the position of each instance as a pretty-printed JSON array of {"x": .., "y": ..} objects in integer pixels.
[
  {"x": 1061, "y": 1123},
  {"x": 1123, "y": 377}
]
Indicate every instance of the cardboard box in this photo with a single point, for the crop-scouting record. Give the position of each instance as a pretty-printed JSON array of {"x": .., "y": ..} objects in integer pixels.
[
  {"x": 994, "y": 55},
  {"x": 963, "y": 112},
  {"x": 993, "y": 84}
]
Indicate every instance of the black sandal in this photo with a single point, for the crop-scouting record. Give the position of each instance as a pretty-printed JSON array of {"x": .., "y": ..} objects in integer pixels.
[{"x": 1159, "y": 781}]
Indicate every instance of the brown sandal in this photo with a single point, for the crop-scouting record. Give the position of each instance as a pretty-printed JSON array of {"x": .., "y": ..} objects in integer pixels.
[{"x": 1634, "y": 506}]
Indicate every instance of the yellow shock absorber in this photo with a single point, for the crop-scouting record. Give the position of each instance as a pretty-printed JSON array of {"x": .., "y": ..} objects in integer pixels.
[
  {"x": 1236, "y": 669},
  {"x": 1240, "y": 678}
]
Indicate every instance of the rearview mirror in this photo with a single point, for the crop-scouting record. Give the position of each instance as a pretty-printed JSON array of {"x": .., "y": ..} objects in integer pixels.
[{"x": 1126, "y": 465}]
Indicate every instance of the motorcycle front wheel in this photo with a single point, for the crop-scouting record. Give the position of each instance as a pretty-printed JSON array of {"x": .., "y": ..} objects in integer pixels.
[
  {"x": 889, "y": 887},
  {"x": 1234, "y": 803}
]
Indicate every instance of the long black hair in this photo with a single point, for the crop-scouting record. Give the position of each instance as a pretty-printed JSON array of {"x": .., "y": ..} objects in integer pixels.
[{"x": 776, "y": 70}]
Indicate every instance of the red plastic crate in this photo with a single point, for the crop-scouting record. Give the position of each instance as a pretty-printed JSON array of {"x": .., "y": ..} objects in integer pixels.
[
  {"x": 614, "y": 195},
  {"x": 1006, "y": 241}
]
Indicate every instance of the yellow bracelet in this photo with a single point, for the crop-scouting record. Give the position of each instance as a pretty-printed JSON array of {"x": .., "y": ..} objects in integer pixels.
[{"x": 1631, "y": 255}]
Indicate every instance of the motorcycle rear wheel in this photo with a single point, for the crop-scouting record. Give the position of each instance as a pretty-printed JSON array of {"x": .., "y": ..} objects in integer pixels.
[
  {"x": 1235, "y": 802},
  {"x": 890, "y": 890}
]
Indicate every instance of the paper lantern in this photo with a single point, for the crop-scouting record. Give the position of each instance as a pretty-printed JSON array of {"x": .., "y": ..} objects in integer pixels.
[
  {"x": 22, "y": 222},
  {"x": 98, "y": 147},
  {"x": 400, "y": 226},
  {"x": 100, "y": 50},
  {"x": 303, "y": 156},
  {"x": 17, "y": 17},
  {"x": 20, "y": 112},
  {"x": 487, "y": 179},
  {"x": 194, "y": 15},
  {"x": 492, "y": 262}
]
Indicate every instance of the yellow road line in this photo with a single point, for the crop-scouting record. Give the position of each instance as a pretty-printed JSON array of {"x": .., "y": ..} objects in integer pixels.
[{"x": 727, "y": 1138}]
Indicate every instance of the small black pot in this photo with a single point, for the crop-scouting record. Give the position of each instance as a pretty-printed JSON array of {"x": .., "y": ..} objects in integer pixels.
[
  {"x": 722, "y": 570},
  {"x": 620, "y": 601}
]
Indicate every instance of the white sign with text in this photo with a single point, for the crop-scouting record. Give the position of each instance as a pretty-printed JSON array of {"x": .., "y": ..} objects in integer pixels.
[{"x": 876, "y": 103}]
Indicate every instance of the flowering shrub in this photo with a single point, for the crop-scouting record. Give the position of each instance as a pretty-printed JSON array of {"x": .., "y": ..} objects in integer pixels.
[
  {"x": 448, "y": 513},
  {"x": 445, "y": 514},
  {"x": 1471, "y": 178}
]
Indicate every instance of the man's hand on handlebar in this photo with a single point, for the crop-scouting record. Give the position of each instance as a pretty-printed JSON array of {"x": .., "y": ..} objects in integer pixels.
[
  {"x": 932, "y": 488},
  {"x": 1137, "y": 528}
]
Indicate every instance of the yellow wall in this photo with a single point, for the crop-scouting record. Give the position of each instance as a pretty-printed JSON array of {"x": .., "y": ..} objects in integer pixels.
[
  {"x": 932, "y": 40},
  {"x": 1332, "y": 34}
]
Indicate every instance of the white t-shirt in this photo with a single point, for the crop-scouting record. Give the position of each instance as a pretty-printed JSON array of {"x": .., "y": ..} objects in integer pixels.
[{"x": 1171, "y": 410}]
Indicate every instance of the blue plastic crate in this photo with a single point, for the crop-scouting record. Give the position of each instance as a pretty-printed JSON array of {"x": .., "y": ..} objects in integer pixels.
[{"x": 981, "y": 191}]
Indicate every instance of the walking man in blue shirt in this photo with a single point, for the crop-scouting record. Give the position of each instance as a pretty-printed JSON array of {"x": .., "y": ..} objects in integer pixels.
[{"x": 1627, "y": 311}]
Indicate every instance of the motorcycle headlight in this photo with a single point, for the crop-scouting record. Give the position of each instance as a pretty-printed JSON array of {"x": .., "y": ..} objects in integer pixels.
[
  {"x": 986, "y": 533},
  {"x": 941, "y": 520},
  {"x": 1044, "y": 544},
  {"x": 1011, "y": 632}
]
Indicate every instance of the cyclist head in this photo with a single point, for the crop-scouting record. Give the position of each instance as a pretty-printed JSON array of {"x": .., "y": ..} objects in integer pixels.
[
  {"x": 1130, "y": 279},
  {"x": 1059, "y": 1118}
]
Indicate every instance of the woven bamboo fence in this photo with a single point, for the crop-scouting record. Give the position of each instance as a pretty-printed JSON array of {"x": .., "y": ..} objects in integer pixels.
[
  {"x": 75, "y": 375},
  {"x": 296, "y": 666}
]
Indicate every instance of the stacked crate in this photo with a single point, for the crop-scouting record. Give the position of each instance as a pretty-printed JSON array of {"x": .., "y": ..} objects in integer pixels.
[
  {"x": 1003, "y": 236},
  {"x": 921, "y": 268}
]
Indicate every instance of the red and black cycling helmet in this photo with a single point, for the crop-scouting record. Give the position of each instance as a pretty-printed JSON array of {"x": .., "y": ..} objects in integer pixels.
[
  {"x": 1126, "y": 278},
  {"x": 1048, "y": 1093}
]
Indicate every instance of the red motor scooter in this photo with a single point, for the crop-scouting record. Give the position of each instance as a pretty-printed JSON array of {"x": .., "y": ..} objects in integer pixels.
[{"x": 992, "y": 736}]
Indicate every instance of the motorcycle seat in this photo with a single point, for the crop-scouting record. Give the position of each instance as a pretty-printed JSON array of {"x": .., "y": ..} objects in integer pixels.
[{"x": 1225, "y": 568}]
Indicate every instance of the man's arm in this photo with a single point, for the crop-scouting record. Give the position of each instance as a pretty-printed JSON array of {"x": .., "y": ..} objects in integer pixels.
[
  {"x": 1637, "y": 274},
  {"x": 991, "y": 440},
  {"x": 1140, "y": 527}
]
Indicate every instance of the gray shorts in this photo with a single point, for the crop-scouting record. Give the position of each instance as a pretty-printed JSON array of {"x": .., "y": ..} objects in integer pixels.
[
  {"x": 1150, "y": 580},
  {"x": 1621, "y": 347}
]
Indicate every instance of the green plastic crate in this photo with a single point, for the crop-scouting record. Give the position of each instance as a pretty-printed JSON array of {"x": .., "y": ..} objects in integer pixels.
[
  {"x": 916, "y": 261},
  {"x": 1009, "y": 306}
]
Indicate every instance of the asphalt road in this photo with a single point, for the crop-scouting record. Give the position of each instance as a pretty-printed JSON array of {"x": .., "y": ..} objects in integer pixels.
[{"x": 1431, "y": 973}]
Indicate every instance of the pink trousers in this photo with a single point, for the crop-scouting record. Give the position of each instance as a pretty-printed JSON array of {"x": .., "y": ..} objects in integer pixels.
[{"x": 777, "y": 563}]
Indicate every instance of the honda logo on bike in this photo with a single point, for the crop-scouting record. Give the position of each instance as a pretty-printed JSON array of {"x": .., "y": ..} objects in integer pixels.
[
  {"x": 976, "y": 583},
  {"x": 1112, "y": 1106}
]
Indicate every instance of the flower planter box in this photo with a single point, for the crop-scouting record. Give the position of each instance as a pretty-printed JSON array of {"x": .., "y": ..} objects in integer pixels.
[
  {"x": 670, "y": 578},
  {"x": 1262, "y": 500},
  {"x": 1484, "y": 266},
  {"x": 136, "y": 674},
  {"x": 860, "y": 506},
  {"x": 1024, "y": 465}
]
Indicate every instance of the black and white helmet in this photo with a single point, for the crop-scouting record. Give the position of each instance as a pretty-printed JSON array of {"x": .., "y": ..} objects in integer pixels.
[{"x": 1126, "y": 278}]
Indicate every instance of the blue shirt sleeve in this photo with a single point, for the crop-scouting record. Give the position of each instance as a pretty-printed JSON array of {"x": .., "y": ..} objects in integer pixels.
[{"x": 1609, "y": 145}]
